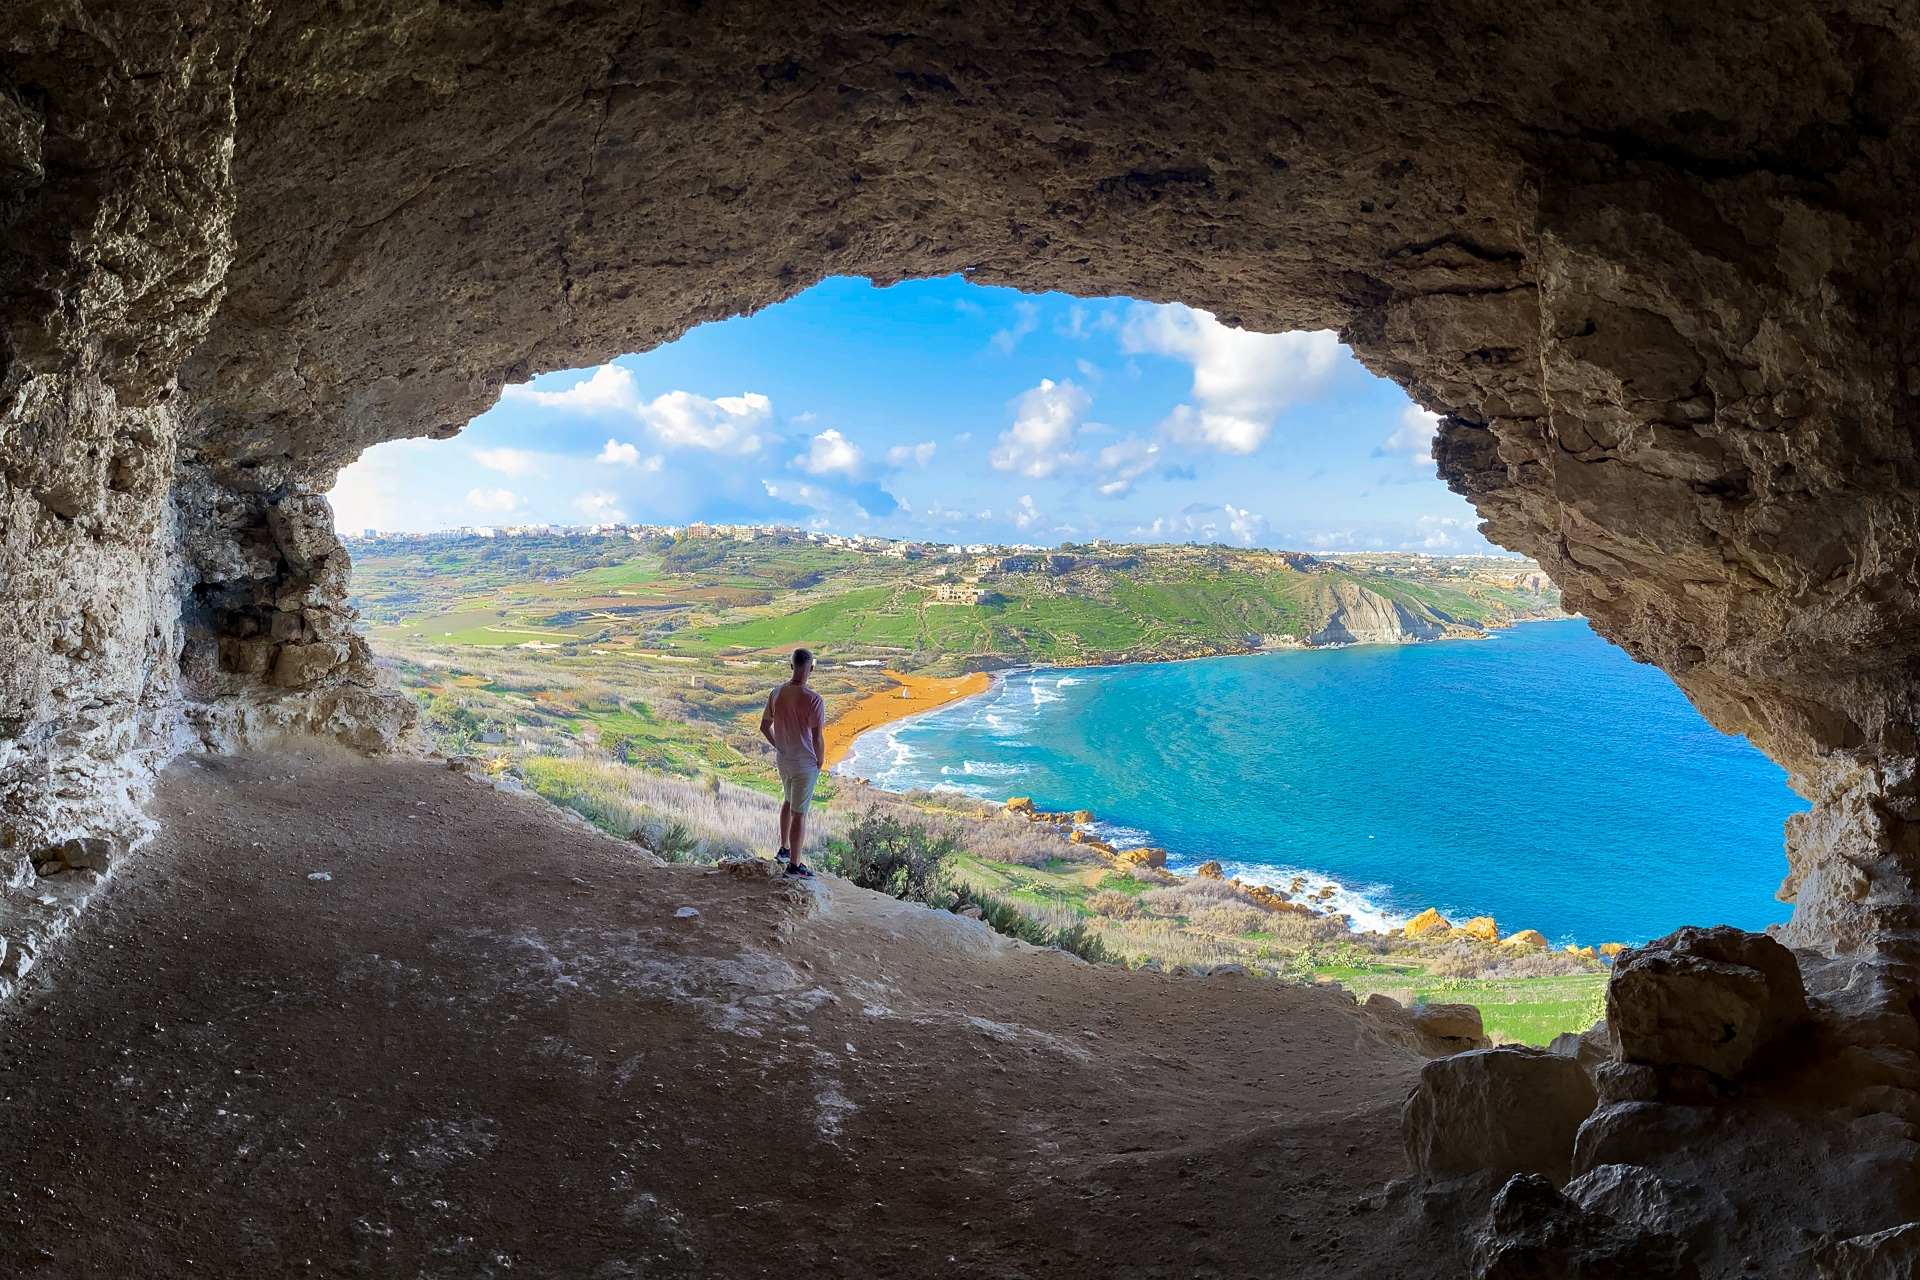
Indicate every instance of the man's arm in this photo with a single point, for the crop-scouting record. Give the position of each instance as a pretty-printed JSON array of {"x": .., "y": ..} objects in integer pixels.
[
  {"x": 766, "y": 720},
  {"x": 819, "y": 734}
]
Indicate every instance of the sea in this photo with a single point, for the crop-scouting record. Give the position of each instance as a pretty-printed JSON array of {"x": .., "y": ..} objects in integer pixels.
[{"x": 1539, "y": 776}]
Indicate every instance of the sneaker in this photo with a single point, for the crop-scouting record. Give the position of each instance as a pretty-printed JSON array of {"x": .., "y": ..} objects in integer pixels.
[
  {"x": 797, "y": 869},
  {"x": 783, "y": 855}
]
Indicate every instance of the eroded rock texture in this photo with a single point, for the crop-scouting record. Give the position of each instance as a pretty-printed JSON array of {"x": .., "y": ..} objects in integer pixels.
[{"x": 1655, "y": 264}]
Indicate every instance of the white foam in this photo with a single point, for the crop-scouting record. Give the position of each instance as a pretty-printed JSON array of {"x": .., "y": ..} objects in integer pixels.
[
  {"x": 988, "y": 769},
  {"x": 1360, "y": 905},
  {"x": 1116, "y": 835}
]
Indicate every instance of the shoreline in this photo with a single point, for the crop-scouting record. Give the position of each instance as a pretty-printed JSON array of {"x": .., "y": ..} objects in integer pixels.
[
  {"x": 914, "y": 695},
  {"x": 984, "y": 682}
]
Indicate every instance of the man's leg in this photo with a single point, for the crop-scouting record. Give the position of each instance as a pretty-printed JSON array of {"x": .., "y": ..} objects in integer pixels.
[
  {"x": 786, "y": 820},
  {"x": 799, "y": 838}
]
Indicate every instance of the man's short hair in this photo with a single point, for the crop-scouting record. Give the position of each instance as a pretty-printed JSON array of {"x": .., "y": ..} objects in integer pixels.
[{"x": 802, "y": 658}]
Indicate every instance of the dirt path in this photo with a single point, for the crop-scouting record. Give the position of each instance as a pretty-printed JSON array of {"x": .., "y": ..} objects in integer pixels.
[
  {"x": 914, "y": 696},
  {"x": 492, "y": 1043}
]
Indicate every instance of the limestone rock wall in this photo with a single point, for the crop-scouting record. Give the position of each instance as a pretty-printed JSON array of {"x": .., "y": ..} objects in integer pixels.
[{"x": 1655, "y": 266}]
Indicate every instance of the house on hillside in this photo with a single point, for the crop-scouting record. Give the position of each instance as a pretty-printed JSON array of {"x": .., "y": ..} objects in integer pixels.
[{"x": 959, "y": 593}]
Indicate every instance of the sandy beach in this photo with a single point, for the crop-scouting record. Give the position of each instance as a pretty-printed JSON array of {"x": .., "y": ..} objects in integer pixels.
[{"x": 914, "y": 695}]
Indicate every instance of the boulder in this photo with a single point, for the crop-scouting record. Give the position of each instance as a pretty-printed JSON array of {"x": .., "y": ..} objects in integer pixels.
[
  {"x": 1428, "y": 921},
  {"x": 1525, "y": 938},
  {"x": 1460, "y": 1022},
  {"x": 90, "y": 853},
  {"x": 1708, "y": 998},
  {"x": 1021, "y": 804},
  {"x": 303, "y": 664},
  {"x": 1508, "y": 1110},
  {"x": 749, "y": 867},
  {"x": 1535, "y": 1233},
  {"x": 1482, "y": 928},
  {"x": 1893, "y": 1254},
  {"x": 302, "y": 526},
  {"x": 1612, "y": 949},
  {"x": 1210, "y": 871},
  {"x": 1635, "y": 1196}
]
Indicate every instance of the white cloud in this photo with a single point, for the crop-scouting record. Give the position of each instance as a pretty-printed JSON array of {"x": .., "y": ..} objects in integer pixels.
[
  {"x": 1413, "y": 441},
  {"x": 1027, "y": 319},
  {"x": 1243, "y": 524},
  {"x": 1040, "y": 442},
  {"x": 1436, "y": 533},
  {"x": 1122, "y": 463},
  {"x": 381, "y": 490},
  {"x": 918, "y": 454},
  {"x": 1028, "y": 515},
  {"x": 626, "y": 455},
  {"x": 600, "y": 507},
  {"x": 511, "y": 462},
  {"x": 830, "y": 451},
  {"x": 1241, "y": 380},
  {"x": 730, "y": 424},
  {"x": 492, "y": 499},
  {"x": 610, "y": 387}
]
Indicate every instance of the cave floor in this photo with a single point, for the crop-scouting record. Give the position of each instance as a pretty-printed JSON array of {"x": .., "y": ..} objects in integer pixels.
[{"x": 490, "y": 1044}]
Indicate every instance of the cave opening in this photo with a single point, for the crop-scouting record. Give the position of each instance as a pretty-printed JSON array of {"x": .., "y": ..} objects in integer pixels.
[
  {"x": 610, "y": 557},
  {"x": 1657, "y": 280}
]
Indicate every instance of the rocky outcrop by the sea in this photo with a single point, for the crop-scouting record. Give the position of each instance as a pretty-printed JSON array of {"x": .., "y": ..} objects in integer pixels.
[{"x": 1364, "y": 616}]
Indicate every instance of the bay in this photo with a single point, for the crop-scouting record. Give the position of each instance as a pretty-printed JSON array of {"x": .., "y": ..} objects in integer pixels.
[{"x": 1540, "y": 777}]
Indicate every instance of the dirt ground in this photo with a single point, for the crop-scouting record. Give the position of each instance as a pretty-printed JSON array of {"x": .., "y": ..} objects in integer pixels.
[{"x": 493, "y": 1043}]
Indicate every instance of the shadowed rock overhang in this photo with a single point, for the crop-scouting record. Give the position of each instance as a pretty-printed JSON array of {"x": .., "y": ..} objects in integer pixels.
[{"x": 1654, "y": 265}]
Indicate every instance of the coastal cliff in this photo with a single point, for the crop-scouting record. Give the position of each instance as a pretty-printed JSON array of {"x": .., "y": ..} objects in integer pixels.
[{"x": 1363, "y": 616}]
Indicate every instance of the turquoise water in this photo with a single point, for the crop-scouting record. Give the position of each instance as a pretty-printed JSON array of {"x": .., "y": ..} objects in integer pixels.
[{"x": 1540, "y": 777}]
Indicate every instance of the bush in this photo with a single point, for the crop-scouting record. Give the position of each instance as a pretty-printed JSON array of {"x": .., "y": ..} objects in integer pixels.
[
  {"x": 1023, "y": 844},
  {"x": 901, "y": 859},
  {"x": 1007, "y": 917},
  {"x": 671, "y": 840},
  {"x": 1229, "y": 921},
  {"x": 1189, "y": 896},
  {"x": 1113, "y": 904}
]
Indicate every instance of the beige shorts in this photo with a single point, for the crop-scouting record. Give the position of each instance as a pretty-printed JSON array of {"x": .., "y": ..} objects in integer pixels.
[{"x": 796, "y": 785}]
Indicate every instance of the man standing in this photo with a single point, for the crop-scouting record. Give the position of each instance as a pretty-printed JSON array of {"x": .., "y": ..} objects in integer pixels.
[{"x": 795, "y": 723}]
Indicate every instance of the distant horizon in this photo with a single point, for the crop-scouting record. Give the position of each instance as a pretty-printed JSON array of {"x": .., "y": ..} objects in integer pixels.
[
  {"x": 946, "y": 411},
  {"x": 725, "y": 528}
]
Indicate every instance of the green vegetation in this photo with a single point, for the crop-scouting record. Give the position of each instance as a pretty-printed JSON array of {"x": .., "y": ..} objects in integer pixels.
[
  {"x": 622, "y": 677},
  {"x": 657, "y": 651}
]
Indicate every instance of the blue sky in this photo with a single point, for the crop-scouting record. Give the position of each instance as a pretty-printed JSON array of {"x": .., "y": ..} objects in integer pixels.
[{"x": 943, "y": 410}]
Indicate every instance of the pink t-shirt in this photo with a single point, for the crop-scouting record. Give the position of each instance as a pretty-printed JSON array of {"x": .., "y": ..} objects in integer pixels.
[{"x": 796, "y": 712}]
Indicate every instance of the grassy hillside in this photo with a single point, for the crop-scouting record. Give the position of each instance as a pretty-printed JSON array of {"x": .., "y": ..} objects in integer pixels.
[{"x": 658, "y": 651}]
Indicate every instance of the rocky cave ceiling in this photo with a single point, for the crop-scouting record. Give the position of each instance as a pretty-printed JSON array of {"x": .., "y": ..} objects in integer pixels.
[{"x": 1655, "y": 263}]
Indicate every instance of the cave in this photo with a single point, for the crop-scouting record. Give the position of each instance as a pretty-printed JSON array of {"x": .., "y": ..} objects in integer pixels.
[{"x": 1654, "y": 266}]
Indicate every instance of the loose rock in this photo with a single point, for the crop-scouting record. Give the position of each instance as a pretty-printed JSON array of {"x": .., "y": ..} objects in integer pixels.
[
  {"x": 1708, "y": 998},
  {"x": 1507, "y": 1110}
]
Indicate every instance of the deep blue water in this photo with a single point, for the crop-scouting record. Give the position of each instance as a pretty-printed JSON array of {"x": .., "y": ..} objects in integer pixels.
[{"x": 1540, "y": 777}]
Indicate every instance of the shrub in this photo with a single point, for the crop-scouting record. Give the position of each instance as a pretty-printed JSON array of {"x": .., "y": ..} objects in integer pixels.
[
  {"x": 1229, "y": 921},
  {"x": 1010, "y": 918},
  {"x": 1023, "y": 844},
  {"x": 1114, "y": 905},
  {"x": 1189, "y": 896},
  {"x": 1458, "y": 962},
  {"x": 899, "y": 858},
  {"x": 671, "y": 840}
]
